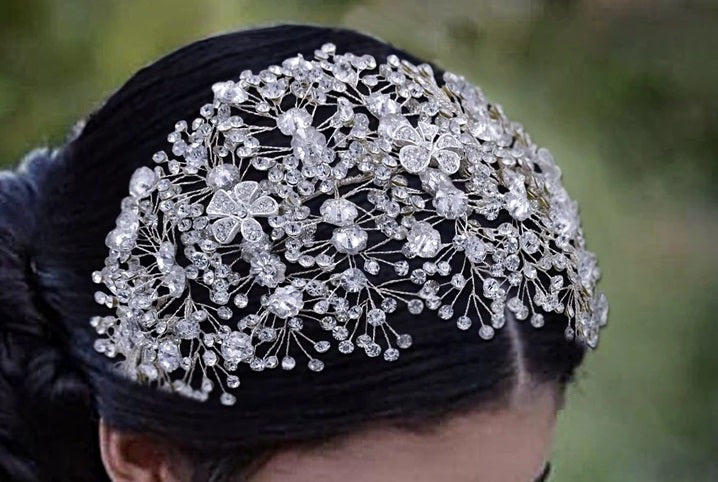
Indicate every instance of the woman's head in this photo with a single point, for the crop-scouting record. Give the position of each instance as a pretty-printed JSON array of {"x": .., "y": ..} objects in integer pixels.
[{"x": 451, "y": 399}]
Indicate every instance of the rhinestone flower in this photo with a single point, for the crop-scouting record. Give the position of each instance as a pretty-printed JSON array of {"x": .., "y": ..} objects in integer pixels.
[{"x": 237, "y": 209}]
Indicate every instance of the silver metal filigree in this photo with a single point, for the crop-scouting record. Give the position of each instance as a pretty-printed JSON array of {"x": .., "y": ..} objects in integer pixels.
[{"x": 335, "y": 193}]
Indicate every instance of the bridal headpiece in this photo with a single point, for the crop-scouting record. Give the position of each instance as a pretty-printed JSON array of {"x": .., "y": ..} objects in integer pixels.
[{"x": 329, "y": 196}]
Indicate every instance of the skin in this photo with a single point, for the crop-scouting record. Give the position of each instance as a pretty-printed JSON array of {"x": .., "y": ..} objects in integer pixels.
[{"x": 510, "y": 444}]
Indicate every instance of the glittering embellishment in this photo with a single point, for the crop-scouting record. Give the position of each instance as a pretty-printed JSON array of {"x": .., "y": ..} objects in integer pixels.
[
  {"x": 334, "y": 195},
  {"x": 285, "y": 302},
  {"x": 237, "y": 209},
  {"x": 350, "y": 239},
  {"x": 339, "y": 212},
  {"x": 423, "y": 240}
]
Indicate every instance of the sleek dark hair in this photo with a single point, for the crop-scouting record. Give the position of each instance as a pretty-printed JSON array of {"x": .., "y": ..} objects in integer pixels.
[{"x": 55, "y": 210}]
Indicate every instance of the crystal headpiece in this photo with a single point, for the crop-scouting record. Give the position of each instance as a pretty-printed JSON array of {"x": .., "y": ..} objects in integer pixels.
[{"x": 335, "y": 194}]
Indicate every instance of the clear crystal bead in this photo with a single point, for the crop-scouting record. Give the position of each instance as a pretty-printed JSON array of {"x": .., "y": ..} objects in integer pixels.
[
  {"x": 463, "y": 322},
  {"x": 340, "y": 212},
  {"x": 537, "y": 320},
  {"x": 474, "y": 248},
  {"x": 376, "y": 317},
  {"x": 321, "y": 346},
  {"x": 143, "y": 182},
  {"x": 232, "y": 381},
  {"x": 168, "y": 356},
  {"x": 288, "y": 363},
  {"x": 315, "y": 365},
  {"x": 404, "y": 341},
  {"x": 391, "y": 354},
  {"x": 451, "y": 203},
  {"x": 286, "y": 302},
  {"x": 349, "y": 239},
  {"x": 415, "y": 307},
  {"x": 423, "y": 240},
  {"x": 486, "y": 332},
  {"x": 353, "y": 280},
  {"x": 223, "y": 176}
]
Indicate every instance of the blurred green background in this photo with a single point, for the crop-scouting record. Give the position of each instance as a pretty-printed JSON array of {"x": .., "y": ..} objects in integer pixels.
[{"x": 624, "y": 93}]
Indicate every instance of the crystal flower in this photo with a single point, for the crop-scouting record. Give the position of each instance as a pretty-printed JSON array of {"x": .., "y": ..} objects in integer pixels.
[
  {"x": 423, "y": 144},
  {"x": 237, "y": 209}
]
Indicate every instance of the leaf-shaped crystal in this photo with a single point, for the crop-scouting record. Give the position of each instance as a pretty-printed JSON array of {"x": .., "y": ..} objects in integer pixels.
[
  {"x": 251, "y": 230},
  {"x": 222, "y": 205},
  {"x": 225, "y": 229},
  {"x": 449, "y": 161},
  {"x": 246, "y": 191},
  {"x": 406, "y": 133},
  {"x": 264, "y": 206},
  {"x": 414, "y": 158},
  {"x": 428, "y": 131},
  {"x": 447, "y": 141}
]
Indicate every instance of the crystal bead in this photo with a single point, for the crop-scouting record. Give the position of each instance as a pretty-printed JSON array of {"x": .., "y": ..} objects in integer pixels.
[
  {"x": 445, "y": 312},
  {"x": 143, "y": 182},
  {"x": 346, "y": 347},
  {"x": 236, "y": 347},
  {"x": 486, "y": 332},
  {"x": 321, "y": 346},
  {"x": 241, "y": 300},
  {"x": 315, "y": 365},
  {"x": 293, "y": 120},
  {"x": 353, "y": 280},
  {"x": 168, "y": 356},
  {"x": 423, "y": 240},
  {"x": 404, "y": 341},
  {"x": 518, "y": 205},
  {"x": 210, "y": 358},
  {"x": 375, "y": 317},
  {"x": 458, "y": 281},
  {"x": 451, "y": 203},
  {"x": 227, "y": 399},
  {"x": 474, "y": 248},
  {"x": 340, "y": 212},
  {"x": 463, "y": 322},
  {"x": 418, "y": 276},
  {"x": 372, "y": 349},
  {"x": 288, "y": 363},
  {"x": 529, "y": 242},
  {"x": 537, "y": 320},
  {"x": 372, "y": 267},
  {"x": 349, "y": 239},
  {"x": 600, "y": 309},
  {"x": 223, "y": 176},
  {"x": 340, "y": 333},
  {"x": 391, "y": 354},
  {"x": 415, "y": 307},
  {"x": 232, "y": 381},
  {"x": 388, "y": 305},
  {"x": 286, "y": 302}
]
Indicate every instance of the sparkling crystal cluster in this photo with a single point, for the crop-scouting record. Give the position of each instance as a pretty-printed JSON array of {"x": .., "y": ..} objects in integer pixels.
[{"x": 336, "y": 193}]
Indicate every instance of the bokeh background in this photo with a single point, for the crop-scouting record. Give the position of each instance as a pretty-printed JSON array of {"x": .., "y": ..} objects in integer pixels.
[{"x": 625, "y": 95}]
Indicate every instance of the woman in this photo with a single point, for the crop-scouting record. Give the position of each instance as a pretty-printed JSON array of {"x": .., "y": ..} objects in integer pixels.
[{"x": 341, "y": 264}]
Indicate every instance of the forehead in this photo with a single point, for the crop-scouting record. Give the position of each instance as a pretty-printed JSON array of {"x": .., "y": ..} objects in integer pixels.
[{"x": 502, "y": 445}]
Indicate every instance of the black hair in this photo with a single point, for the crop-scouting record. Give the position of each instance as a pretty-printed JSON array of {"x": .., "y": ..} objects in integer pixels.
[{"x": 55, "y": 210}]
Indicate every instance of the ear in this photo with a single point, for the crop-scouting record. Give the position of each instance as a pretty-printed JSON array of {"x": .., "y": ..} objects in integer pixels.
[{"x": 131, "y": 457}]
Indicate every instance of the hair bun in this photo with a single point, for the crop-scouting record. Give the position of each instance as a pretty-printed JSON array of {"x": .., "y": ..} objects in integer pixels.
[{"x": 44, "y": 401}]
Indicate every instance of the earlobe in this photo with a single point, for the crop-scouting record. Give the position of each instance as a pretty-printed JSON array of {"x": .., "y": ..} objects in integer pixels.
[{"x": 132, "y": 457}]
